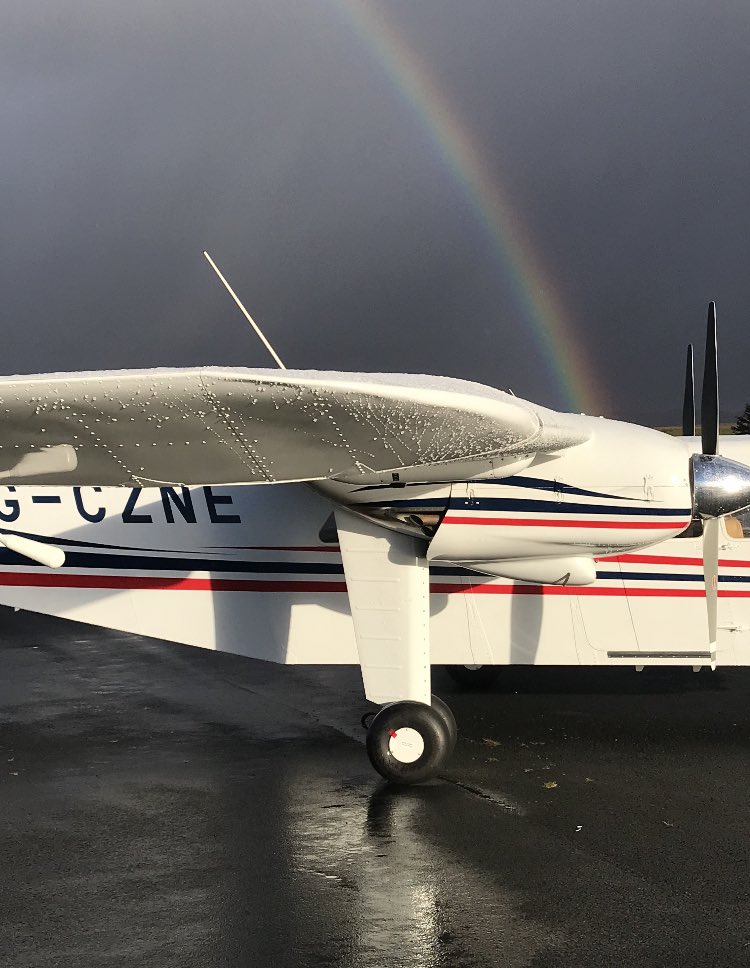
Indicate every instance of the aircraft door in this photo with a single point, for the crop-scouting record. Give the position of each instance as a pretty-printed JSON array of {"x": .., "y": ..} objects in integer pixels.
[{"x": 667, "y": 600}]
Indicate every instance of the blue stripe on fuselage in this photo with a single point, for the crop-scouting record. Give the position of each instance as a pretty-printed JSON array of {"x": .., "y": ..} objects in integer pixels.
[{"x": 528, "y": 505}]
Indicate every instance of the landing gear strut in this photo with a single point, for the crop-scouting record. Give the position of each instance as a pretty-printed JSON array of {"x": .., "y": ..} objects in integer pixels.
[
  {"x": 409, "y": 742},
  {"x": 388, "y": 582}
]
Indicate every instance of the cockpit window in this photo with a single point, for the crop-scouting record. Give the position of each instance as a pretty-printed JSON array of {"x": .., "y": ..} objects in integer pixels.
[{"x": 736, "y": 526}]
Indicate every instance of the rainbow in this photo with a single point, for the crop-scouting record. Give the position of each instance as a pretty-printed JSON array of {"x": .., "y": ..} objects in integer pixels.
[{"x": 532, "y": 287}]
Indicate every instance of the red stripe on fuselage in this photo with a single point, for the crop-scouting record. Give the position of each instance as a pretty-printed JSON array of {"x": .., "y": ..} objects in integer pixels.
[
  {"x": 669, "y": 560},
  {"x": 586, "y": 591},
  {"x": 561, "y": 523},
  {"x": 161, "y": 583}
]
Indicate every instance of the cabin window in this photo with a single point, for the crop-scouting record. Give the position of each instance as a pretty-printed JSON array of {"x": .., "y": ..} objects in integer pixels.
[{"x": 737, "y": 526}]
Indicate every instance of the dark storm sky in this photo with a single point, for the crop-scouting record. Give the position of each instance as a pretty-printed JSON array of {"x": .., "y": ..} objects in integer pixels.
[{"x": 135, "y": 135}]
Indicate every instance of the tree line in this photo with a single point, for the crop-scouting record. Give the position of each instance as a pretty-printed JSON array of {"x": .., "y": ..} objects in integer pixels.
[{"x": 743, "y": 422}]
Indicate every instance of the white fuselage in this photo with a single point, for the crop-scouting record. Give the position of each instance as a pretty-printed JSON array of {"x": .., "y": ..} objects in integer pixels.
[{"x": 244, "y": 570}]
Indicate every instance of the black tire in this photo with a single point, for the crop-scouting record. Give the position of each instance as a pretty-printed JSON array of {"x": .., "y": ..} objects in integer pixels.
[
  {"x": 431, "y": 729},
  {"x": 448, "y": 719},
  {"x": 475, "y": 677}
]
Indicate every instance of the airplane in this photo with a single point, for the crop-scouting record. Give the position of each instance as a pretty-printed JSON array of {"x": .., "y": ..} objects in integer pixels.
[{"x": 422, "y": 520}]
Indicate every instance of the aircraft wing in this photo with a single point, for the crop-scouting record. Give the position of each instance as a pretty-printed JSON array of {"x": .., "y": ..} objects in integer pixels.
[{"x": 216, "y": 425}]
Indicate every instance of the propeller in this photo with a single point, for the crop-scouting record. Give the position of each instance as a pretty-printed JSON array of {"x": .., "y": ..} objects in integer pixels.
[
  {"x": 710, "y": 395},
  {"x": 710, "y": 445},
  {"x": 688, "y": 403},
  {"x": 720, "y": 486},
  {"x": 711, "y": 579}
]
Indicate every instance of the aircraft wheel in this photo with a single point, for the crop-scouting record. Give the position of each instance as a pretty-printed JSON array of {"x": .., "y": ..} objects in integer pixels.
[
  {"x": 448, "y": 719},
  {"x": 408, "y": 742},
  {"x": 473, "y": 676}
]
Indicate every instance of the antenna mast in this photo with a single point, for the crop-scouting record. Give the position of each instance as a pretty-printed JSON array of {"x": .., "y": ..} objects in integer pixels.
[{"x": 245, "y": 313}]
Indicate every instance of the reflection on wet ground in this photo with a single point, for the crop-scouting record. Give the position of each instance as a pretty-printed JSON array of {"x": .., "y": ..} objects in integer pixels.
[{"x": 165, "y": 806}]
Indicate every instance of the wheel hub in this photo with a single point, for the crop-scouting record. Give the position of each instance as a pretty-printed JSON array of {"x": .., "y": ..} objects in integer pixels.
[{"x": 406, "y": 744}]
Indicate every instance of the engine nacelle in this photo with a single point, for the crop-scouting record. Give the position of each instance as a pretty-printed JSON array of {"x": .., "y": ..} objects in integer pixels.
[{"x": 541, "y": 571}]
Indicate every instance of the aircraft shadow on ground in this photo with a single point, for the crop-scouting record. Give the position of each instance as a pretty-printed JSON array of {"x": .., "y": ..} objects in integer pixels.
[{"x": 592, "y": 680}]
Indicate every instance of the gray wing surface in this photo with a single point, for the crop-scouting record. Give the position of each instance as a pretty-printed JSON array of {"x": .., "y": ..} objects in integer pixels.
[{"x": 232, "y": 425}]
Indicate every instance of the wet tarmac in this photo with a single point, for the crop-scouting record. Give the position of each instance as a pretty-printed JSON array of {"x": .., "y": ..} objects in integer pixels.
[{"x": 164, "y": 806}]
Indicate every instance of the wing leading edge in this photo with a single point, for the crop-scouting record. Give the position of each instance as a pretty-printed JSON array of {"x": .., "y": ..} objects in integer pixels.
[{"x": 215, "y": 425}]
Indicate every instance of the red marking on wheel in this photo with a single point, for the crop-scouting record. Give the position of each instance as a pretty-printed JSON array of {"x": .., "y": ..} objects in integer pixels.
[{"x": 392, "y": 733}]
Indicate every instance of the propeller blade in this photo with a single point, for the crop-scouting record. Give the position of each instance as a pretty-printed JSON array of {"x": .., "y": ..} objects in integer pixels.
[
  {"x": 711, "y": 577},
  {"x": 710, "y": 395},
  {"x": 688, "y": 403},
  {"x": 43, "y": 554}
]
